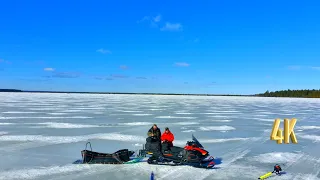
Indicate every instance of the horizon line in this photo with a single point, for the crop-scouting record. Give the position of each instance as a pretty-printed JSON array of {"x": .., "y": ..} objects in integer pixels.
[{"x": 141, "y": 93}]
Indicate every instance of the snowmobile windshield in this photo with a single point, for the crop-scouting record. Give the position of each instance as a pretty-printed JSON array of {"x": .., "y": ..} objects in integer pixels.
[{"x": 197, "y": 142}]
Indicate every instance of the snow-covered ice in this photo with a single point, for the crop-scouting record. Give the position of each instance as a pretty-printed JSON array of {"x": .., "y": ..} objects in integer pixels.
[{"x": 42, "y": 134}]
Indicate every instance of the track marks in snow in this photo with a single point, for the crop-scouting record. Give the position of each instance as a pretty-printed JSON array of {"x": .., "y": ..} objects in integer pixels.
[
  {"x": 308, "y": 161},
  {"x": 216, "y": 128},
  {"x": 239, "y": 152},
  {"x": 31, "y": 141},
  {"x": 228, "y": 159},
  {"x": 175, "y": 117},
  {"x": 33, "y": 173},
  {"x": 56, "y": 125},
  {"x": 3, "y": 133},
  {"x": 48, "y": 117},
  {"x": 280, "y": 157}
]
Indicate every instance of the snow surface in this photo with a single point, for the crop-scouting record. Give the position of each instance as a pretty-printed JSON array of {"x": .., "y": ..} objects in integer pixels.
[{"x": 42, "y": 134}]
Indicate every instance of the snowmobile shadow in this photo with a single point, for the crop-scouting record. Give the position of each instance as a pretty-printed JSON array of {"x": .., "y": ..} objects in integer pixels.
[
  {"x": 217, "y": 161},
  {"x": 209, "y": 168},
  {"x": 79, "y": 161},
  {"x": 215, "y": 168}
]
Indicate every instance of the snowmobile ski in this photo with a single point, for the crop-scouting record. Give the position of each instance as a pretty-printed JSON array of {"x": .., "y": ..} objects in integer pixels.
[
  {"x": 134, "y": 160},
  {"x": 265, "y": 175}
]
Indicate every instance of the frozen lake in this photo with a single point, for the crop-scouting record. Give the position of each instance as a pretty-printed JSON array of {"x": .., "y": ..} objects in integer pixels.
[{"x": 42, "y": 134}]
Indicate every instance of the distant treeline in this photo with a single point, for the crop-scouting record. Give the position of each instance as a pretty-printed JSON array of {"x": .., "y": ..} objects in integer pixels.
[
  {"x": 293, "y": 93},
  {"x": 284, "y": 93},
  {"x": 73, "y": 92},
  {"x": 10, "y": 90}
]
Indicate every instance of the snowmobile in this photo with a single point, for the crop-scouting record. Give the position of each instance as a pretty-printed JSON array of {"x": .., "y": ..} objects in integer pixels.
[{"x": 192, "y": 154}]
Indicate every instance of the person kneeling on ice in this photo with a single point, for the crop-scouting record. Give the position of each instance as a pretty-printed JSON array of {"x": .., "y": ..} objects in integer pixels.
[
  {"x": 277, "y": 169},
  {"x": 167, "y": 137}
]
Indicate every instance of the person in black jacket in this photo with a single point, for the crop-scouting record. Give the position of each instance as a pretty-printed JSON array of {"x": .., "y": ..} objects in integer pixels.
[
  {"x": 154, "y": 134},
  {"x": 154, "y": 139}
]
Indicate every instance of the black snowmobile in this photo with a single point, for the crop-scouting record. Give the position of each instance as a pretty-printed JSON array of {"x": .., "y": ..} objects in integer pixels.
[{"x": 193, "y": 154}]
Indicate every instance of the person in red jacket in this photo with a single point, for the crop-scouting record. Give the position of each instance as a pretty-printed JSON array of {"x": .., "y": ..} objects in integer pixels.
[{"x": 167, "y": 137}]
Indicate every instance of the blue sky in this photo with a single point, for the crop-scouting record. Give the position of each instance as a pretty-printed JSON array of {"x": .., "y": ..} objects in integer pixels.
[{"x": 228, "y": 47}]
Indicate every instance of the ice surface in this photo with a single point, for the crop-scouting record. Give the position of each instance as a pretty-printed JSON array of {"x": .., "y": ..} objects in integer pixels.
[
  {"x": 217, "y": 128},
  {"x": 19, "y": 112},
  {"x": 188, "y": 131},
  {"x": 280, "y": 157},
  {"x": 3, "y": 133},
  {"x": 308, "y": 127},
  {"x": 222, "y": 120},
  {"x": 42, "y": 134},
  {"x": 314, "y": 138},
  {"x": 175, "y": 117},
  {"x": 137, "y": 124},
  {"x": 66, "y": 125},
  {"x": 48, "y": 117}
]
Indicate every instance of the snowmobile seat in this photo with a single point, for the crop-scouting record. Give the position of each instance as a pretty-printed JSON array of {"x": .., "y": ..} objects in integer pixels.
[
  {"x": 165, "y": 146},
  {"x": 176, "y": 149},
  {"x": 170, "y": 150}
]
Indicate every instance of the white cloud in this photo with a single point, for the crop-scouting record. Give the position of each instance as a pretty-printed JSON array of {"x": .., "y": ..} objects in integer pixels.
[
  {"x": 104, "y": 51},
  {"x": 152, "y": 19},
  {"x": 172, "y": 27},
  {"x": 315, "y": 67},
  {"x": 304, "y": 67},
  {"x": 48, "y": 69},
  {"x": 157, "y": 18},
  {"x": 182, "y": 64},
  {"x": 145, "y": 18}
]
